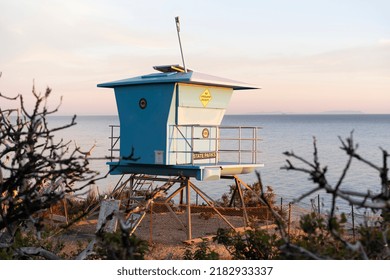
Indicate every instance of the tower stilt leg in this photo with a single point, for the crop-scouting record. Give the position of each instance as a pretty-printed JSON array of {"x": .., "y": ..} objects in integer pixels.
[{"x": 188, "y": 201}]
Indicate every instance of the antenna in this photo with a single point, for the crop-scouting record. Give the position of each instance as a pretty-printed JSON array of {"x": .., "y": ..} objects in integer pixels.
[{"x": 178, "y": 36}]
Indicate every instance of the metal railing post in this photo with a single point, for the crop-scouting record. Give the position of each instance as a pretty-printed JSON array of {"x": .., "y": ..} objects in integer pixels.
[
  {"x": 231, "y": 144},
  {"x": 192, "y": 145},
  {"x": 112, "y": 143},
  {"x": 216, "y": 145},
  {"x": 254, "y": 146},
  {"x": 239, "y": 145},
  {"x": 176, "y": 140}
]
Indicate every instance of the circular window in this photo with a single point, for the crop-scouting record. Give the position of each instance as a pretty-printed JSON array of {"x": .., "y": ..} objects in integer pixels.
[
  {"x": 142, "y": 103},
  {"x": 205, "y": 133}
]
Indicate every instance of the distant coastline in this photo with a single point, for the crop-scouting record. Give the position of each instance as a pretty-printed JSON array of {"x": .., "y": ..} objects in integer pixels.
[
  {"x": 312, "y": 113},
  {"x": 335, "y": 113},
  {"x": 342, "y": 113}
]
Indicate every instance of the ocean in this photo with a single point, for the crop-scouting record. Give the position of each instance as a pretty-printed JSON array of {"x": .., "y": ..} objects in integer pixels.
[{"x": 279, "y": 133}]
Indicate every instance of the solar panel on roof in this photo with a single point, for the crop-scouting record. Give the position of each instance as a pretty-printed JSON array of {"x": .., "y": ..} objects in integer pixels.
[{"x": 170, "y": 68}]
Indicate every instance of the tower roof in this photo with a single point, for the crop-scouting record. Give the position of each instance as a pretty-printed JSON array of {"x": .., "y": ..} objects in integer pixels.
[{"x": 176, "y": 74}]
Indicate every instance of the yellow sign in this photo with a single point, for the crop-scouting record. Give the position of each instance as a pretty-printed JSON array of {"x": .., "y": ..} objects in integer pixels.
[{"x": 205, "y": 97}]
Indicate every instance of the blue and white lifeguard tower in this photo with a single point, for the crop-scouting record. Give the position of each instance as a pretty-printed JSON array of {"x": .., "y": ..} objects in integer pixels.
[{"x": 170, "y": 126}]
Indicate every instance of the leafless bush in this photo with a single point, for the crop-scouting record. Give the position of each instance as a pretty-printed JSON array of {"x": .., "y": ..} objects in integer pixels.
[
  {"x": 376, "y": 202},
  {"x": 36, "y": 169}
]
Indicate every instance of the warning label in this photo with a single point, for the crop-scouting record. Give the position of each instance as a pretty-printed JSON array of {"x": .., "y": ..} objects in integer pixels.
[{"x": 205, "y": 97}]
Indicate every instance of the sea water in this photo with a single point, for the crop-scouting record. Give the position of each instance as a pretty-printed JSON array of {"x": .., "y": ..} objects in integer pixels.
[{"x": 279, "y": 133}]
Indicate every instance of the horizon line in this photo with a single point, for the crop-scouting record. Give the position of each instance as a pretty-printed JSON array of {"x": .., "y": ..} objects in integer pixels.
[{"x": 243, "y": 114}]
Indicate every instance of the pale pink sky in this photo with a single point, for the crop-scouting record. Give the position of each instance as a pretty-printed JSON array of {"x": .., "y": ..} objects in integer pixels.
[{"x": 307, "y": 57}]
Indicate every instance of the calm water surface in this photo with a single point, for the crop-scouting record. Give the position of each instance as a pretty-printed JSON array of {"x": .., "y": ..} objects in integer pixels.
[{"x": 279, "y": 133}]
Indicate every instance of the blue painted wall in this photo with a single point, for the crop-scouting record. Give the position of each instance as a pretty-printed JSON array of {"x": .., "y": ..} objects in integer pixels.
[{"x": 145, "y": 130}]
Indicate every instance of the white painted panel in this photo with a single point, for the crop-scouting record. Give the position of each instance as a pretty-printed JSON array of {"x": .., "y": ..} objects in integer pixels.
[
  {"x": 202, "y": 105},
  {"x": 200, "y": 116},
  {"x": 212, "y": 97}
]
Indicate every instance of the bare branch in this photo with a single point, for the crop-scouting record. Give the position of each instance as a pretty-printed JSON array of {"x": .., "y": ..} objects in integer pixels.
[
  {"x": 36, "y": 252},
  {"x": 34, "y": 162},
  {"x": 365, "y": 199},
  {"x": 9, "y": 98}
]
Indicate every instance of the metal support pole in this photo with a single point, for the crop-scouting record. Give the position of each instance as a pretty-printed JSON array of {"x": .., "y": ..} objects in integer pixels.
[
  {"x": 181, "y": 197},
  {"x": 240, "y": 193},
  {"x": 211, "y": 204},
  {"x": 151, "y": 224},
  {"x": 188, "y": 200},
  {"x": 178, "y": 36},
  {"x": 232, "y": 200}
]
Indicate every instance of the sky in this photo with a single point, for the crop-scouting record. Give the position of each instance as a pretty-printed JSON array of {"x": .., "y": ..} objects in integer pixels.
[{"x": 306, "y": 56}]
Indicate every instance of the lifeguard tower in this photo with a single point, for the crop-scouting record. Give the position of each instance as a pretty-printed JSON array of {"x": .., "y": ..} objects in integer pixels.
[{"x": 170, "y": 131}]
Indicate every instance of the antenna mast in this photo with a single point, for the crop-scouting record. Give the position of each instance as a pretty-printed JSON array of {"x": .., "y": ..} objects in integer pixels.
[{"x": 178, "y": 36}]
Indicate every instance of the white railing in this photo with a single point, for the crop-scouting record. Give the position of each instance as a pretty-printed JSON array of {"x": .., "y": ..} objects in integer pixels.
[
  {"x": 196, "y": 144},
  {"x": 114, "y": 142}
]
